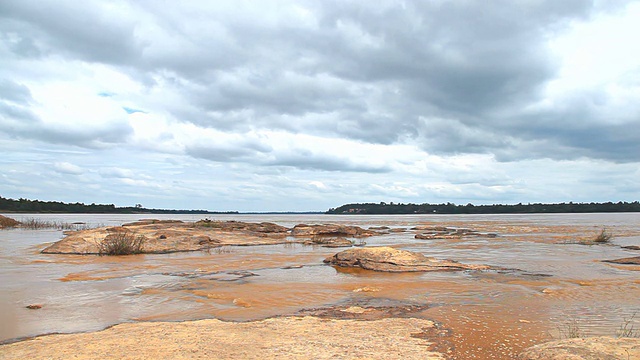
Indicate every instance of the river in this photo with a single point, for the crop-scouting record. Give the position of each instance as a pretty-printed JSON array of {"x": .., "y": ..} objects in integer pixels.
[{"x": 555, "y": 284}]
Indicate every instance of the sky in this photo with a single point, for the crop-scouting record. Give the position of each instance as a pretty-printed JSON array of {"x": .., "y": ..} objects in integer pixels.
[{"x": 308, "y": 105}]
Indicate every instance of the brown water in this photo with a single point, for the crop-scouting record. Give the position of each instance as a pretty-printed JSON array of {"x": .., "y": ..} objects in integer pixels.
[{"x": 482, "y": 315}]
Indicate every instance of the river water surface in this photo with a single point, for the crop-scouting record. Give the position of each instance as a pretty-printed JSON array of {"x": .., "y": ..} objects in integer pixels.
[{"x": 554, "y": 285}]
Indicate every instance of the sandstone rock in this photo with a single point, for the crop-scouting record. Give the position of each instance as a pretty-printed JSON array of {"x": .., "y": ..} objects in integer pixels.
[
  {"x": 394, "y": 260},
  {"x": 595, "y": 348},
  {"x": 6, "y": 222},
  {"x": 626, "y": 261},
  {"x": 329, "y": 242},
  {"x": 330, "y": 230},
  {"x": 173, "y": 236}
]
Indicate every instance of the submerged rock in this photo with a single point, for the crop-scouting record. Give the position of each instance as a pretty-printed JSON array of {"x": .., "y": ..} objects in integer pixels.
[
  {"x": 393, "y": 260},
  {"x": 595, "y": 348}
]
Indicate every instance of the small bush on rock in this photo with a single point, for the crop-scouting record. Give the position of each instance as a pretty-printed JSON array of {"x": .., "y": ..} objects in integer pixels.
[{"x": 121, "y": 243}]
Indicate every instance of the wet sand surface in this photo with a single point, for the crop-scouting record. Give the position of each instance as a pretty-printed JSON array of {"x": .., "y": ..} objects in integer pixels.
[{"x": 552, "y": 282}]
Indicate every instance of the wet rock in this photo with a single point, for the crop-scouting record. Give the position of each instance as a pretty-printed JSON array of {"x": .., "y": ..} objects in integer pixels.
[
  {"x": 6, "y": 222},
  {"x": 595, "y": 348},
  {"x": 377, "y": 228},
  {"x": 34, "y": 306},
  {"x": 631, "y": 247},
  {"x": 393, "y": 260},
  {"x": 625, "y": 261},
  {"x": 329, "y": 242},
  {"x": 439, "y": 232},
  {"x": 330, "y": 230}
]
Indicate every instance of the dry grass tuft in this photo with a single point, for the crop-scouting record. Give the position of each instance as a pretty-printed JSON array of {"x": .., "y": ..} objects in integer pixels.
[{"x": 121, "y": 243}]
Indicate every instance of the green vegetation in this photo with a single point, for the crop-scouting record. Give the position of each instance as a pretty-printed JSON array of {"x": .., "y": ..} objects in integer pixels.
[
  {"x": 121, "y": 243},
  {"x": 450, "y": 208},
  {"x": 37, "y": 206}
]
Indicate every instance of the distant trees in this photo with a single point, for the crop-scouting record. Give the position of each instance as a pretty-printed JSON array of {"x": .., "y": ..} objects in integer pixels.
[
  {"x": 37, "y": 206},
  {"x": 450, "y": 208}
]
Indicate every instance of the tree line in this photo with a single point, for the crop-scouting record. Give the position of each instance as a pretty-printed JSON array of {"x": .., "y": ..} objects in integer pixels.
[
  {"x": 38, "y": 206},
  {"x": 450, "y": 208}
]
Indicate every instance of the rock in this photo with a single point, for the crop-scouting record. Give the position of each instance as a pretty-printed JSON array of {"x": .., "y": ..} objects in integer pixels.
[
  {"x": 34, "y": 306},
  {"x": 329, "y": 242},
  {"x": 595, "y": 348},
  {"x": 330, "y": 230},
  {"x": 168, "y": 236},
  {"x": 631, "y": 247},
  {"x": 6, "y": 222},
  {"x": 378, "y": 228},
  {"x": 626, "y": 261},
  {"x": 394, "y": 260},
  {"x": 264, "y": 227}
]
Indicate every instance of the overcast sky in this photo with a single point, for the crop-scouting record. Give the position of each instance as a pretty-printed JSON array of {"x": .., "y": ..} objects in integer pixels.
[{"x": 307, "y": 105}]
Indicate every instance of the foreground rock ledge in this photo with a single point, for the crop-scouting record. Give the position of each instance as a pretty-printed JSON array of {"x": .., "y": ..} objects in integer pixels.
[
  {"x": 595, "y": 348},
  {"x": 278, "y": 338},
  {"x": 393, "y": 260}
]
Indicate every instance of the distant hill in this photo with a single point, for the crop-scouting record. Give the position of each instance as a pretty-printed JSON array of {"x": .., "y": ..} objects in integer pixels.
[
  {"x": 37, "y": 206},
  {"x": 449, "y": 208}
]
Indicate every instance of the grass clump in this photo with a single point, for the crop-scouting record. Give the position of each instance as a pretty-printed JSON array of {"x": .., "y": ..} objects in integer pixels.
[
  {"x": 570, "y": 330},
  {"x": 6, "y": 222},
  {"x": 627, "y": 329},
  {"x": 121, "y": 243},
  {"x": 603, "y": 238}
]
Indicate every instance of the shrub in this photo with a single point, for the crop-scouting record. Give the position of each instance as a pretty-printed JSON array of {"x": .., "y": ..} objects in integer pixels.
[
  {"x": 121, "y": 243},
  {"x": 603, "y": 237}
]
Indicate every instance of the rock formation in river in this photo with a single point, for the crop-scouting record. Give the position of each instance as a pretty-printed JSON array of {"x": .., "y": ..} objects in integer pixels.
[
  {"x": 394, "y": 260},
  {"x": 635, "y": 260},
  {"x": 6, "y": 222},
  {"x": 595, "y": 348},
  {"x": 165, "y": 236}
]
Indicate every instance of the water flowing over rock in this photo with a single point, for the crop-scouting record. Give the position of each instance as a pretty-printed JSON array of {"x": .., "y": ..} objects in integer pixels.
[
  {"x": 596, "y": 348},
  {"x": 393, "y": 260}
]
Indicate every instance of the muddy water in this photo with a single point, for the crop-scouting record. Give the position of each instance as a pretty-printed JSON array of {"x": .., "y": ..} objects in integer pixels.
[{"x": 552, "y": 284}]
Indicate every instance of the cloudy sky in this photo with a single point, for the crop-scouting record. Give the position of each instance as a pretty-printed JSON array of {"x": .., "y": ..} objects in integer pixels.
[{"x": 306, "y": 105}]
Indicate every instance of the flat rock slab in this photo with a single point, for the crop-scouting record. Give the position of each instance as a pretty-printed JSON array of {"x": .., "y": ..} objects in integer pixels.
[
  {"x": 279, "y": 338},
  {"x": 635, "y": 260},
  {"x": 393, "y": 260},
  {"x": 595, "y": 348},
  {"x": 166, "y": 236}
]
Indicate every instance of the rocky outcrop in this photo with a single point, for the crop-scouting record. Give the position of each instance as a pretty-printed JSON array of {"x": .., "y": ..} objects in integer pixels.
[
  {"x": 393, "y": 260},
  {"x": 173, "y": 236},
  {"x": 595, "y": 348},
  {"x": 6, "y": 222},
  {"x": 329, "y": 242},
  {"x": 330, "y": 230},
  {"x": 635, "y": 260},
  {"x": 442, "y": 232},
  {"x": 631, "y": 247}
]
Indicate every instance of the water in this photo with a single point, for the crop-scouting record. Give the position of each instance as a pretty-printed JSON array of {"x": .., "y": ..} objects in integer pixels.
[{"x": 552, "y": 283}]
